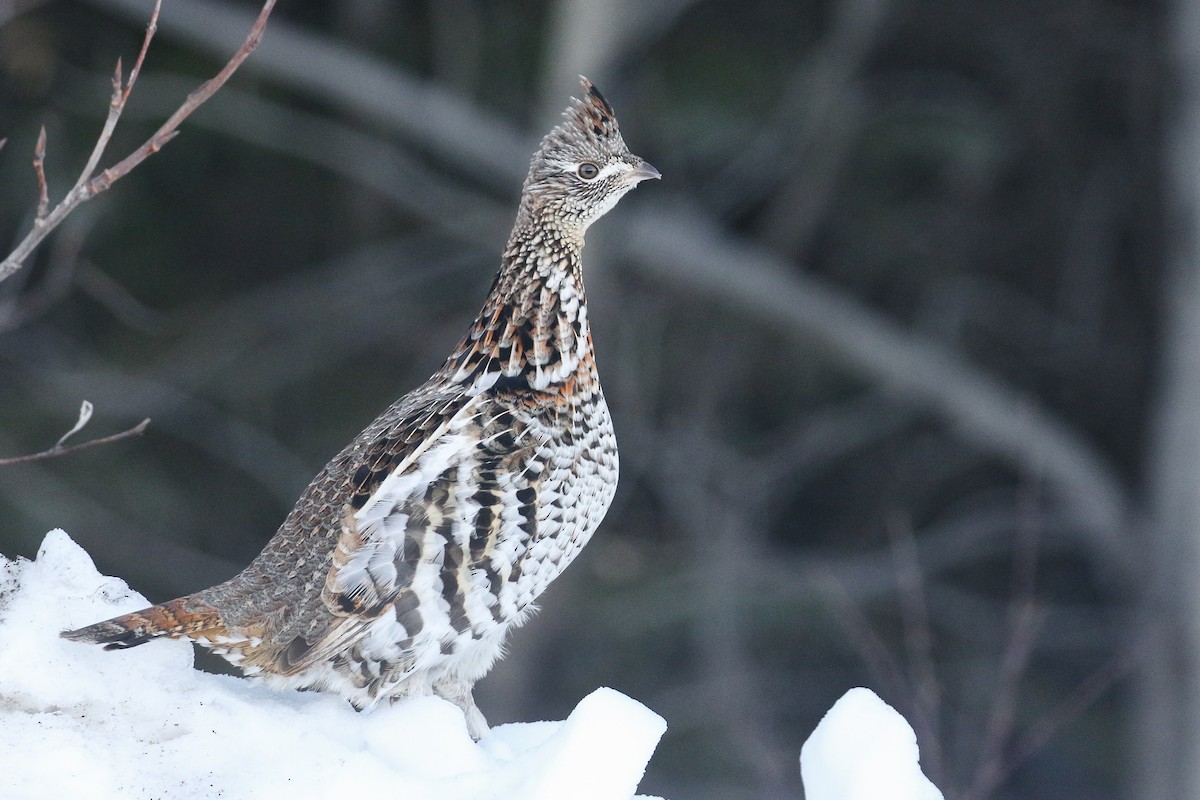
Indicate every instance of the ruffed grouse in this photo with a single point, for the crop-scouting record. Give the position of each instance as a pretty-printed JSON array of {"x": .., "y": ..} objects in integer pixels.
[{"x": 417, "y": 547}]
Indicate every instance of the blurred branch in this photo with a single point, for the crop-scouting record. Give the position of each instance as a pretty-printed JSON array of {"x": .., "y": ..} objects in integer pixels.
[
  {"x": 1025, "y": 620},
  {"x": 682, "y": 246},
  {"x": 781, "y": 579},
  {"x": 60, "y": 273},
  {"x": 265, "y": 339},
  {"x": 1166, "y": 746},
  {"x": 89, "y": 184},
  {"x": 15, "y": 8},
  {"x": 1071, "y": 708},
  {"x": 804, "y": 142},
  {"x": 140, "y": 548},
  {"x": 184, "y": 414},
  {"x": 918, "y": 642},
  {"x": 582, "y": 37},
  {"x": 118, "y": 300},
  {"x": 590, "y": 36},
  {"x": 361, "y": 158},
  {"x": 955, "y": 307},
  {"x": 693, "y": 482},
  {"x": 856, "y": 627},
  {"x": 257, "y": 342}
]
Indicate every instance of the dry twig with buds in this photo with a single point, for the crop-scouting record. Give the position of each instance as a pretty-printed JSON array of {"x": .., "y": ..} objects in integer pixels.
[{"x": 89, "y": 183}]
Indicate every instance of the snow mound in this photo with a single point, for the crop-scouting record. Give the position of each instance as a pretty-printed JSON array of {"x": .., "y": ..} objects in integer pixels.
[
  {"x": 77, "y": 721},
  {"x": 863, "y": 750}
]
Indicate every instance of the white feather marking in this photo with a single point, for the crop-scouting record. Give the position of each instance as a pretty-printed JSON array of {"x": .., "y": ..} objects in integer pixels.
[{"x": 431, "y": 458}]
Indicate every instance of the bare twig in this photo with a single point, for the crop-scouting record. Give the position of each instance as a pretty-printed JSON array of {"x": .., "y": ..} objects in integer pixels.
[
  {"x": 89, "y": 184},
  {"x": 116, "y": 105},
  {"x": 116, "y": 299},
  {"x": 39, "y": 167},
  {"x": 1025, "y": 619},
  {"x": 857, "y": 628},
  {"x": 60, "y": 450},
  {"x": 59, "y": 276},
  {"x": 194, "y": 100},
  {"x": 120, "y": 96},
  {"x": 151, "y": 29},
  {"x": 1025, "y": 622},
  {"x": 1084, "y": 695},
  {"x": 44, "y": 223},
  {"x": 918, "y": 642}
]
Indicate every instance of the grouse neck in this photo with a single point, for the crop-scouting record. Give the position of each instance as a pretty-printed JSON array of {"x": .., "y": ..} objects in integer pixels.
[{"x": 533, "y": 329}]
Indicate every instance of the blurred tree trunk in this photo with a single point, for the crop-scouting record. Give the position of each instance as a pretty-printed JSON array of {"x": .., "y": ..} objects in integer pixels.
[{"x": 1168, "y": 723}]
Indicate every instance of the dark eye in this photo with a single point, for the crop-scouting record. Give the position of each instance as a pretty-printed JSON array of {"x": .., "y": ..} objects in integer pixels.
[{"x": 588, "y": 171}]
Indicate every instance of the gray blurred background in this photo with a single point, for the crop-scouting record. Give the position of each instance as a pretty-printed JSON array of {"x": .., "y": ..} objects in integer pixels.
[{"x": 900, "y": 350}]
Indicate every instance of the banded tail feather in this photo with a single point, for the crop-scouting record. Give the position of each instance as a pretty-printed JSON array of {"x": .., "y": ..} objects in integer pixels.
[{"x": 175, "y": 619}]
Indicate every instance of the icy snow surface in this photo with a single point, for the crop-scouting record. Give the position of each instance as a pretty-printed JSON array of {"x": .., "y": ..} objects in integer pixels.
[
  {"x": 863, "y": 750},
  {"x": 76, "y": 721}
]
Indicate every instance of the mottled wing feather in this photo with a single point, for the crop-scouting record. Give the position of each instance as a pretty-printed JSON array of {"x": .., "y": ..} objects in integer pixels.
[
  {"x": 353, "y": 608},
  {"x": 429, "y": 523},
  {"x": 358, "y": 585}
]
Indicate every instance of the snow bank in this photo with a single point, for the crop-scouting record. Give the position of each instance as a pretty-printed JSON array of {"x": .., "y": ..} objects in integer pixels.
[
  {"x": 76, "y": 721},
  {"x": 863, "y": 750}
]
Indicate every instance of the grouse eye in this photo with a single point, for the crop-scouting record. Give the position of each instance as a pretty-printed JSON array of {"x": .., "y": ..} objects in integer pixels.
[{"x": 588, "y": 171}]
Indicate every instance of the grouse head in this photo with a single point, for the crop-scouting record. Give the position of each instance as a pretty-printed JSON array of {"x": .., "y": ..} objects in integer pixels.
[{"x": 582, "y": 167}]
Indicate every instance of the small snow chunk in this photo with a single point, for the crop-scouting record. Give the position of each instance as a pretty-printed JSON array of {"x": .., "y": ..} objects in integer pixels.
[
  {"x": 598, "y": 753},
  {"x": 78, "y": 721},
  {"x": 863, "y": 749},
  {"x": 64, "y": 558}
]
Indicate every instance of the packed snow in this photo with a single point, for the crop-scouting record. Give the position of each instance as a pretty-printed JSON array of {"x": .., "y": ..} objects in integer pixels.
[
  {"x": 863, "y": 750},
  {"x": 77, "y": 721}
]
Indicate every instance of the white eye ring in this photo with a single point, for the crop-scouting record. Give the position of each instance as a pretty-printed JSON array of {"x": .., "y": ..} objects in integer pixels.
[{"x": 588, "y": 171}]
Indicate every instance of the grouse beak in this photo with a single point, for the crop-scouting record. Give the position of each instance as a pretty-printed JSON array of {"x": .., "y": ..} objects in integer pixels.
[{"x": 645, "y": 171}]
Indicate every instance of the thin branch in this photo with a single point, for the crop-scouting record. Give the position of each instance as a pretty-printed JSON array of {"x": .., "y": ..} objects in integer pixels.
[
  {"x": 1083, "y": 697},
  {"x": 1025, "y": 620},
  {"x": 116, "y": 299},
  {"x": 116, "y": 105},
  {"x": 1025, "y": 623},
  {"x": 78, "y": 194},
  {"x": 151, "y": 29},
  {"x": 918, "y": 642},
  {"x": 120, "y": 97},
  {"x": 366, "y": 86},
  {"x": 58, "y": 278},
  {"x": 679, "y": 245},
  {"x": 39, "y": 167},
  {"x": 194, "y": 100},
  {"x": 88, "y": 186},
  {"x": 857, "y": 629},
  {"x": 59, "y": 450}
]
